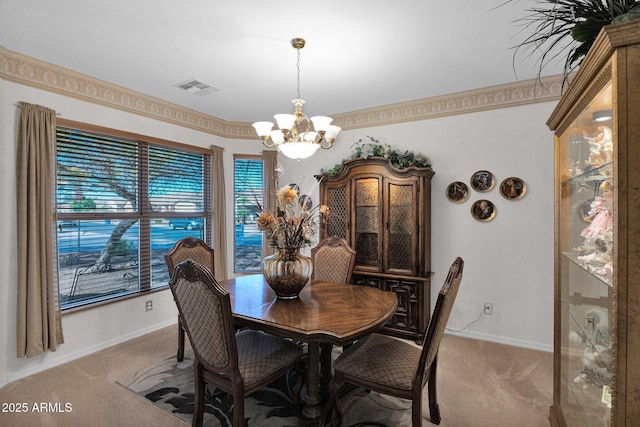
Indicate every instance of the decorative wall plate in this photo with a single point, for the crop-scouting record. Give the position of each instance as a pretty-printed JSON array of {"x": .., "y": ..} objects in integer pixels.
[
  {"x": 513, "y": 188},
  {"x": 483, "y": 210},
  {"x": 457, "y": 192},
  {"x": 482, "y": 181}
]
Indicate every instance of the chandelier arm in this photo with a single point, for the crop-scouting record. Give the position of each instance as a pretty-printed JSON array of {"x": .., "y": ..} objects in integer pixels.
[
  {"x": 267, "y": 142},
  {"x": 329, "y": 143}
]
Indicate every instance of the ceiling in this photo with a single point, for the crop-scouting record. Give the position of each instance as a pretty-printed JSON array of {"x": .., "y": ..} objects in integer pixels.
[{"x": 359, "y": 53}]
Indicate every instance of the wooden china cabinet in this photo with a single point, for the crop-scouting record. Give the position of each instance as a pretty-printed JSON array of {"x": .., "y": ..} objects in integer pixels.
[
  {"x": 597, "y": 237},
  {"x": 385, "y": 216}
]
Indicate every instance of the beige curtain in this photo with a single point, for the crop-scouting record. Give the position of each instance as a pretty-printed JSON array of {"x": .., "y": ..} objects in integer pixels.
[
  {"x": 270, "y": 183},
  {"x": 39, "y": 327},
  {"x": 219, "y": 214}
]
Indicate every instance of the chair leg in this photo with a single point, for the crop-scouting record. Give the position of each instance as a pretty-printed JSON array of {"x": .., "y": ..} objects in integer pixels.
[
  {"x": 416, "y": 412},
  {"x": 434, "y": 409},
  {"x": 198, "y": 396},
  {"x": 180, "y": 355},
  {"x": 238, "y": 410}
]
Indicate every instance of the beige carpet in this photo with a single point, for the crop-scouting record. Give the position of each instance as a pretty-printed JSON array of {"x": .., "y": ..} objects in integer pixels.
[{"x": 480, "y": 384}]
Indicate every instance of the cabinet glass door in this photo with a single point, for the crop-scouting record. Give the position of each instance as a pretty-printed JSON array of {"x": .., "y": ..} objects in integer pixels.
[
  {"x": 586, "y": 227},
  {"x": 367, "y": 239},
  {"x": 337, "y": 223},
  {"x": 401, "y": 227}
]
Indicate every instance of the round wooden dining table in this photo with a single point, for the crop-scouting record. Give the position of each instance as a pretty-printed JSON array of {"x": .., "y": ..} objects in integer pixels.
[{"x": 324, "y": 314}]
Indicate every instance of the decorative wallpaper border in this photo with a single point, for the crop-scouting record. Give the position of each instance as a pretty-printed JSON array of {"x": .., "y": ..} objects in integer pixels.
[
  {"x": 32, "y": 72},
  {"x": 489, "y": 98}
]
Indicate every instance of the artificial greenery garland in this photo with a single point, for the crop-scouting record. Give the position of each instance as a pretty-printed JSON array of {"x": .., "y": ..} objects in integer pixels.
[{"x": 374, "y": 148}]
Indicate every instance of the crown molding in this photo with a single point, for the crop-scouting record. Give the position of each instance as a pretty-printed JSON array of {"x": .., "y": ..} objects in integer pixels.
[
  {"x": 32, "y": 72},
  {"x": 489, "y": 98}
]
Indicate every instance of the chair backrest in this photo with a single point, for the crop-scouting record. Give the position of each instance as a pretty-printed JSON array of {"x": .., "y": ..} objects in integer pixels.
[
  {"x": 205, "y": 309},
  {"x": 333, "y": 260},
  {"x": 190, "y": 248},
  {"x": 440, "y": 315}
]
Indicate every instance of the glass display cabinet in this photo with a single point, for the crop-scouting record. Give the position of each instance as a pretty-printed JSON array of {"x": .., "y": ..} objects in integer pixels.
[
  {"x": 385, "y": 216},
  {"x": 597, "y": 274}
]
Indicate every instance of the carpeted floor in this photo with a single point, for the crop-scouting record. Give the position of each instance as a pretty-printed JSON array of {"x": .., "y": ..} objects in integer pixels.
[
  {"x": 170, "y": 386},
  {"x": 479, "y": 384}
]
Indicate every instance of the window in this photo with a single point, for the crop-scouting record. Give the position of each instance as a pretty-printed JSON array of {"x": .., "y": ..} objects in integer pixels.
[
  {"x": 122, "y": 202},
  {"x": 247, "y": 194}
]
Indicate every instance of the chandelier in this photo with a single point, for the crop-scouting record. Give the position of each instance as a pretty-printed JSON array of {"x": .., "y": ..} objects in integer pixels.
[{"x": 295, "y": 137}]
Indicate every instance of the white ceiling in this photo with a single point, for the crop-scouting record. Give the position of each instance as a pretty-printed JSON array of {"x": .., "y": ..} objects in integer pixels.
[{"x": 359, "y": 53}]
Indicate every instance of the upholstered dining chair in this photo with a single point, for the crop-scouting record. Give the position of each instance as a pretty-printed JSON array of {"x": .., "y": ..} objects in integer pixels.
[
  {"x": 188, "y": 248},
  {"x": 333, "y": 260},
  {"x": 394, "y": 367},
  {"x": 237, "y": 363}
]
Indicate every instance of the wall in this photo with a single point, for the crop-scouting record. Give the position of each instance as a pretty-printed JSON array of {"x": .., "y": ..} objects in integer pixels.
[
  {"x": 508, "y": 261},
  {"x": 89, "y": 330}
]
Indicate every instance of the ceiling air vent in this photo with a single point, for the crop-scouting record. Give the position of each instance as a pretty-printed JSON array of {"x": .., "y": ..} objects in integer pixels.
[{"x": 196, "y": 87}]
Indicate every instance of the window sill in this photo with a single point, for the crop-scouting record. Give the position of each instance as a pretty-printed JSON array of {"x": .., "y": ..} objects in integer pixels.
[{"x": 89, "y": 305}]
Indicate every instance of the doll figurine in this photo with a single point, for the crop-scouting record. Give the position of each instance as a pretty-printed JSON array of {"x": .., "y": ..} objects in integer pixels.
[
  {"x": 601, "y": 149},
  {"x": 600, "y": 216},
  {"x": 597, "y": 258}
]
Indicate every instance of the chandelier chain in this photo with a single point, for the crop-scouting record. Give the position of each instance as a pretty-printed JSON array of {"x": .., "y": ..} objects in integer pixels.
[{"x": 298, "y": 66}]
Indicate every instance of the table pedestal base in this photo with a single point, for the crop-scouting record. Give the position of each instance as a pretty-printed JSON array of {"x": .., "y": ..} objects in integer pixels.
[{"x": 313, "y": 407}]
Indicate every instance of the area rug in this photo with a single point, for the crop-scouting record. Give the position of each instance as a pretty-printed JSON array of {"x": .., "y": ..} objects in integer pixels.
[{"x": 170, "y": 386}]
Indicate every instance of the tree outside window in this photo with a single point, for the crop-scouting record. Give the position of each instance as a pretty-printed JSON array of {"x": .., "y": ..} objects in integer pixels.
[{"x": 122, "y": 203}]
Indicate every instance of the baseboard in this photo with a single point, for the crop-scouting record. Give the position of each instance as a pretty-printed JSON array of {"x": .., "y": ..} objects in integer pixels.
[
  {"x": 13, "y": 376},
  {"x": 101, "y": 346},
  {"x": 502, "y": 340}
]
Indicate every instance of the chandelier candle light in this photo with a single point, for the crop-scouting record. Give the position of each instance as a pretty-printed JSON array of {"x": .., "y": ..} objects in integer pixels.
[{"x": 294, "y": 137}]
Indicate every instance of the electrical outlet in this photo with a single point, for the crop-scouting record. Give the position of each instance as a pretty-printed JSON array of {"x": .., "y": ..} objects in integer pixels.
[
  {"x": 488, "y": 308},
  {"x": 149, "y": 305}
]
